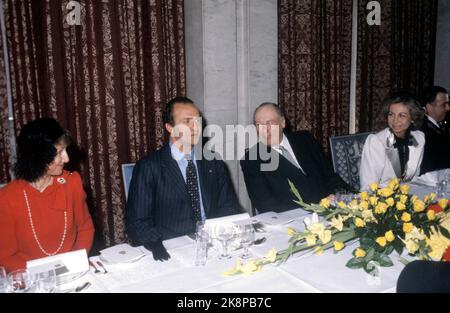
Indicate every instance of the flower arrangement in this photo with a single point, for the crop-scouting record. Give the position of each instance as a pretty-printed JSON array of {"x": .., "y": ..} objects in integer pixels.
[{"x": 381, "y": 221}]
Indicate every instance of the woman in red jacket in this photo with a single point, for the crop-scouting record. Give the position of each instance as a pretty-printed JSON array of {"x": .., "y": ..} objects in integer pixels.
[{"x": 43, "y": 212}]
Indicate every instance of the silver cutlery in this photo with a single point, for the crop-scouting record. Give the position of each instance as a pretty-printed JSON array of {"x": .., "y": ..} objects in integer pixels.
[
  {"x": 96, "y": 270},
  {"x": 101, "y": 265},
  {"x": 77, "y": 289},
  {"x": 259, "y": 241}
]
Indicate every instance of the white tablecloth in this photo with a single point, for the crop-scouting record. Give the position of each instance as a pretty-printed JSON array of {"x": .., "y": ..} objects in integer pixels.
[{"x": 302, "y": 273}]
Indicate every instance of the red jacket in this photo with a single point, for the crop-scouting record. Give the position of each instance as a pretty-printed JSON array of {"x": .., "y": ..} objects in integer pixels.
[{"x": 17, "y": 242}]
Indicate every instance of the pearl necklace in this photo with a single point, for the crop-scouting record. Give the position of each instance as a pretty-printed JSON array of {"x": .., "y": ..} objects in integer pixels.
[{"x": 34, "y": 230}]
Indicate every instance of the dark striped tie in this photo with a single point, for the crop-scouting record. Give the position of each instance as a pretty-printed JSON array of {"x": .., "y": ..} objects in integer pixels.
[{"x": 192, "y": 188}]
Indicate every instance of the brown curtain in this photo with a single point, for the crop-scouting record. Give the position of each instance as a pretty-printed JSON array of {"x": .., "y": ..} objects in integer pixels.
[
  {"x": 4, "y": 128},
  {"x": 106, "y": 80},
  {"x": 398, "y": 54},
  {"x": 315, "y": 39}
]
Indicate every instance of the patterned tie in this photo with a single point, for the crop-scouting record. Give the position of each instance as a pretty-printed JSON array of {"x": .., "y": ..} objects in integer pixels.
[{"x": 192, "y": 188}]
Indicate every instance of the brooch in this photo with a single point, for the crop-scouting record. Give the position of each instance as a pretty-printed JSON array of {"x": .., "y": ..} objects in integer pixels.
[{"x": 61, "y": 180}]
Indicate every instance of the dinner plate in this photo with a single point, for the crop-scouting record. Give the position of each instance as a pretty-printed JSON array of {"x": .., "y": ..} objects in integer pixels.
[{"x": 68, "y": 278}]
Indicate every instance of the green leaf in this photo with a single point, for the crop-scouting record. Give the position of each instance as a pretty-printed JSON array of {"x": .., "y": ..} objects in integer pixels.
[
  {"x": 444, "y": 232},
  {"x": 385, "y": 261},
  {"x": 398, "y": 246},
  {"x": 355, "y": 263},
  {"x": 370, "y": 254},
  {"x": 366, "y": 242},
  {"x": 371, "y": 268},
  {"x": 389, "y": 250}
]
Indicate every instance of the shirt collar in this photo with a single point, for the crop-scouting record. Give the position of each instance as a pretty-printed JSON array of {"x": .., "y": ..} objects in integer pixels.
[
  {"x": 178, "y": 155},
  {"x": 432, "y": 120}
]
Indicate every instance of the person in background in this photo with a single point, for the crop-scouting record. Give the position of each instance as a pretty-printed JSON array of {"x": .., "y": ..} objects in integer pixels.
[
  {"x": 437, "y": 135},
  {"x": 397, "y": 150},
  {"x": 43, "y": 211}
]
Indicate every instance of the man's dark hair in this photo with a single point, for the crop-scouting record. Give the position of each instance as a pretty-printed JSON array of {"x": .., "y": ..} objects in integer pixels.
[
  {"x": 36, "y": 147},
  {"x": 168, "y": 113},
  {"x": 269, "y": 104},
  {"x": 428, "y": 95}
]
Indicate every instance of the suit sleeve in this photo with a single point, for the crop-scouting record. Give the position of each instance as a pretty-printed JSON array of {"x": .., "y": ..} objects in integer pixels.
[
  {"x": 140, "y": 209},
  {"x": 372, "y": 161},
  {"x": 260, "y": 194},
  {"x": 83, "y": 220},
  {"x": 228, "y": 201}
]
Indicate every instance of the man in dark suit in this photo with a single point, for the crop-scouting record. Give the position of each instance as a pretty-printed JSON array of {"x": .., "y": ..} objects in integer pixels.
[
  {"x": 437, "y": 136},
  {"x": 172, "y": 188},
  {"x": 300, "y": 159}
]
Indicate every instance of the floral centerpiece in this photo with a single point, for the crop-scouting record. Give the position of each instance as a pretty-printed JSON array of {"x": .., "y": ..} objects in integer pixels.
[{"x": 381, "y": 221}]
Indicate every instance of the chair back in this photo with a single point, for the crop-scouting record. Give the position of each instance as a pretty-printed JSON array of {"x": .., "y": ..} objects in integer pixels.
[
  {"x": 346, "y": 155},
  {"x": 127, "y": 172}
]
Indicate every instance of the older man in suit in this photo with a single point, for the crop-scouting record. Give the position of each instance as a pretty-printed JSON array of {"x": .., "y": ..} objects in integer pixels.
[
  {"x": 437, "y": 136},
  {"x": 300, "y": 160},
  {"x": 172, "y": 188}
]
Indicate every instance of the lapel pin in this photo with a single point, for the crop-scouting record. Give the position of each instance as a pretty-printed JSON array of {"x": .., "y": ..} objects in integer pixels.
[{"x": 61, "y": 180}]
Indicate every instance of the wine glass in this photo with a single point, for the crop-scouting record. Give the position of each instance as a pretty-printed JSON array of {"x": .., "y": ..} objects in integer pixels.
[
  {"x": 247, "y": 237},
  {"x": 225, "y": 233},
  {"x": 20, "y": 281},
  {"x": 3, "y": 280},
  {"x": 443, "y": 182},
  {"x": 46, "y": 281}
]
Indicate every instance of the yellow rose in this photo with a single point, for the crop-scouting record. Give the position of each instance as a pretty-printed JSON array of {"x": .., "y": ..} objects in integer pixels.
[
  {"x": 403, "y": 199},
  {"x": 291, "y": 232},
  {"x": 411, "y": 246},
  {"x": 390, "y": 202},
  {"x": 393, "y": 183},
  {"x": 235, "y": 270},
  {"x": 325, "y": 202},
  {"x": 386, "y": 192},
  {"x": 404, "y": 189},
  {"x": 433, "y": 196},
  {"x": 367, "y": 215},
  {"x": 426, "y": 198},
  {"x": 360, "y": 253},
  {"x": 318, "y": 250},
  {"x": 337, "y": 222},
  {"x": 373, "y": 200},
  {"x": 325, "y": 237},
  {"x": 373, "y": 186},
  {"x": 381, "y": 208},
  {"x": 406, "y": 217},
  {"x": 400, "y": 206},
  {"x": 431, "y": 215},
  {"x": 414, "y": 198},
  {"x": 381, "y": 241},
  {"x": 418, "y": 206},
  {"x": 316, "y": 228},
  {"x": 359, "y": 222},
  {"x": 250, "y": 267},
  {"x": 389, "y": 235},
  {"x": 338, "y": 246},
  {"x": 438, "y": 244},
  {"x": 311, "y": 240},
  {"x": 443, "y": 203},
  {"x": 407, "y": 227},
  {"x": 364, "y": 205},
  {"x": 271, "y": 256},
  {"x": 342, "y": 205},
  {"x": 364, "y": 195}
]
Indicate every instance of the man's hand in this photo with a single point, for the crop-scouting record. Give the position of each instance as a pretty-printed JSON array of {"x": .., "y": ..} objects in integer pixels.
[{"x": 158, "y": 250}]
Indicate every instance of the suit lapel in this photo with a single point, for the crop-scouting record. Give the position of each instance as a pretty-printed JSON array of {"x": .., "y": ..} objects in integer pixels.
[
  {"x": 174, "y": 171},
  {"x": 299, "y": 153}
]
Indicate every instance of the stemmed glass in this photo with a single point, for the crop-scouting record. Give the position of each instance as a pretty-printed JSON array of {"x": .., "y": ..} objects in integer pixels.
[
  {"x": 225, "y": 233},
  {"x": 20, "y": 281},
  {"x": 443, "y": 182},
  {"x": 247, "y": 237}
]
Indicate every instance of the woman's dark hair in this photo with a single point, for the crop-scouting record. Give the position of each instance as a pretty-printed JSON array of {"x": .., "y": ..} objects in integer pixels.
[
  {"x": 410, "y": 102},
  {"x": 36, "y": 147}
]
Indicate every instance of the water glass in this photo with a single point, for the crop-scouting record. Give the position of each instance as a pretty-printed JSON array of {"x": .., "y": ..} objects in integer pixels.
[
  {"x": 20, "y": 281},
  {"x": 3, "y": 280},
  {"x": 201, "y": 247},
  {"x": 246, "y": 237},
  {"x": 443, "y": 182},
  {"x": 46, "y": 282}
]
